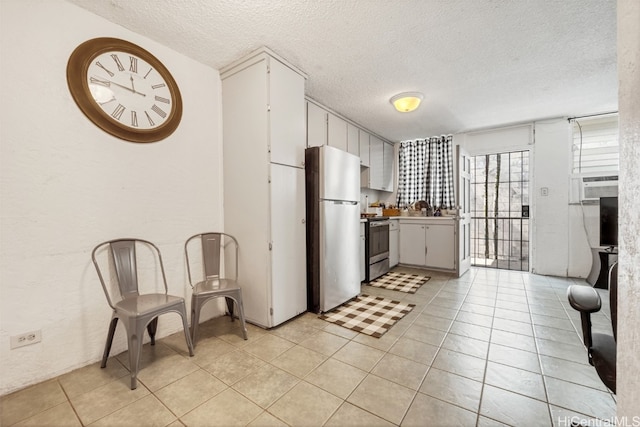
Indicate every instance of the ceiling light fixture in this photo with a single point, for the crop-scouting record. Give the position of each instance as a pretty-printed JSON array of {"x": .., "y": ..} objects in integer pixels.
[{"x": 407, "y": 101}]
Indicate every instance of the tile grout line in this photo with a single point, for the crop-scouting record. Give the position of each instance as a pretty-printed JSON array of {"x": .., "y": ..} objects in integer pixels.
[
  {"x": 387, "y": 352},
  {"x": 486, "y": 361},
  {"x": 437, "y": 351}
]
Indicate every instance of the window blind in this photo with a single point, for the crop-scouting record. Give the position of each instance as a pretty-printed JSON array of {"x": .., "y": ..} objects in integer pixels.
[{"x": 595, "y": 145}]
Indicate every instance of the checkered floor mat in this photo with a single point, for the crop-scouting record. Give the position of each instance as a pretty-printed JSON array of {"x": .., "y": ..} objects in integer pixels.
[
  {"x": 400, "y": 282},
  {"x": 368, "y": 314}
]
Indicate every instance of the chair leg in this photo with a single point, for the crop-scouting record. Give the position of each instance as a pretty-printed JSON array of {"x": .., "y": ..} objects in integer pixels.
[
  {"x": 152, "y": 327},
  {"x": 195, "y": 319},
  {"x": 230, "y": 307},
  {"x": 107, "y": 346},
  {"x": 134, "y": 333},
  {"x": 185, "y": 325},
  {"x": 241, "y": 315}
]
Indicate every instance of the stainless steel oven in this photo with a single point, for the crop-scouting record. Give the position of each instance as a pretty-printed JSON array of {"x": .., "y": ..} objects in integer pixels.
[{"x": 377, "y": 248}]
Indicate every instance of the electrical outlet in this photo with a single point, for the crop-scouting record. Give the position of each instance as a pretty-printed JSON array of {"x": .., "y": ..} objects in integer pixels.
[
  {"x": 544, "y": 191},
  {"x": 27, "y": 338}
]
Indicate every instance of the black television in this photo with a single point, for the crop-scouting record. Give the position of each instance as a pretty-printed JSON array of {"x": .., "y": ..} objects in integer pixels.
[{"x": 609, "y": 222}]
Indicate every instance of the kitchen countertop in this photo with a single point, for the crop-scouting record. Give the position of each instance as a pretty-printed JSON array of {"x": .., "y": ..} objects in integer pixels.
[{"x": 416, "y": 218}]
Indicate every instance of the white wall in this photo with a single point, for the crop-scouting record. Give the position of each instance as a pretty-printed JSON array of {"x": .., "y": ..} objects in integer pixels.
[
  {"x": 67, "y": 185},
  {"x": 559, "y": 246},
  {"x": 628, "y": 368}
]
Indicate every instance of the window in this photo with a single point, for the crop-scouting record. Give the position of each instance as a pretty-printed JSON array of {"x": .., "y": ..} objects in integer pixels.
[
  {"x": 426, "y": 172},
  {"x": 595, "y": 144}
]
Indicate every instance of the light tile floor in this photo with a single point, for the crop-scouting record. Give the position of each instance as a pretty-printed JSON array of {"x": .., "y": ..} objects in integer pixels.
[{"x": 491, "y": 348}]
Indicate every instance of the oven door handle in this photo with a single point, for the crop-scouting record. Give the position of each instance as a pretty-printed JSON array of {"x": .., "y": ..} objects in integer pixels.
[{"x": 379, "y": 223}]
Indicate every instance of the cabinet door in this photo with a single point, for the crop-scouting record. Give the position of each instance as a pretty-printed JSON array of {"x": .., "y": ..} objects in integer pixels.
[
  {"x": 363, "y": 139},
  {"x": 394, "y": 254},
  {"x": 245, "y": 125},
  {"x": 287, "y": 115},
  {"x": 337, "y": 133},
  {"x": 316, "y": 125},
  {"x": 288, "y": 243},
  {"x": 413, "y": 244},
  {"x": 353, "y": 143},
  {"x": 387, "y": 169},
  {"x": 440, "y": 239},
  {"x": 376, "y": 150}
]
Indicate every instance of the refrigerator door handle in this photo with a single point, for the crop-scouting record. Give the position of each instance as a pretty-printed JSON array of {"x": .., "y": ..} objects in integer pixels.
[{"x": 343, "y": 202}]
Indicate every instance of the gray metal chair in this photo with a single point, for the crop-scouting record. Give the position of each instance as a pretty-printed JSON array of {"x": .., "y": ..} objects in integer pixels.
[
  {"x": 214, "y": 284},
  {"x": 137, "y": 311}
]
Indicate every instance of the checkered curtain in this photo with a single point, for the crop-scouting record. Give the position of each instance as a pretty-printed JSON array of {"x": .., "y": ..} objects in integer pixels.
[{"x": 426, "y": 172}]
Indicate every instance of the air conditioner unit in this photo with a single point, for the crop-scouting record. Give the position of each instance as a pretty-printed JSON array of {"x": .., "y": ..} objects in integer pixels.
[{"x": 590, "y": 187}]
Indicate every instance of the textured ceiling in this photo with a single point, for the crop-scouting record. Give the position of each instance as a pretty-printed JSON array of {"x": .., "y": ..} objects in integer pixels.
[{"x": 479, "y": 63}]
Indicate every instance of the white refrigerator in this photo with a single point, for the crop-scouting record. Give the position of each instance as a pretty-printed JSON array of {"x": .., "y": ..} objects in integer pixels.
[{"x": 332, "y": 184}]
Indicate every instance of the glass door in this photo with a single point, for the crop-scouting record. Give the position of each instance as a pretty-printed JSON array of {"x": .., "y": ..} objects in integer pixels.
[{"x": 500, "y": 210}]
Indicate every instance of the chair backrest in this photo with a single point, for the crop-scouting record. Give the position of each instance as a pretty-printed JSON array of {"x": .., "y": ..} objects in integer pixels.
[
  {"x": 213, "y": 246},
  {"x": 211, "y": 254},
  {"x": 122, "y": 253},
  {"x": 124, "y": 260},
  {"x": 613, "y": 298}
]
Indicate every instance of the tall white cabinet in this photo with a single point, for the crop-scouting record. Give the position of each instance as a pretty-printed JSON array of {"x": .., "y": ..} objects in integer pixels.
[{"x": 264, "y": 138}]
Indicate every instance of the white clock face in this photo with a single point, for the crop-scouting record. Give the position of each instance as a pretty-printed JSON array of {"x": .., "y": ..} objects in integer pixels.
[{"x": 129, "y": 90}]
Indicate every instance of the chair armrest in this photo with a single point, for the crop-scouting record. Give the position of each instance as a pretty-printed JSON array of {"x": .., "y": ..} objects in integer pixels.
[{"x": 584, "y": 298}]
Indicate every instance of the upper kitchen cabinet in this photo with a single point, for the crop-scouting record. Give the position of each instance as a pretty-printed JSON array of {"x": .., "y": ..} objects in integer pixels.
[
  {"x": 286, "y": 110},
  {"x": 316, "y": 125},
  {"x": 325, "y": 127},
  {"x": 376, "y": 167},
  {"x": 264, "y": 137},
  {"x": 363, "y": 139},
  {"x": 337, "y": 132},
  {"x": 353, "y": 140},
  {"x": 379, "y": 175},
  {"x": 387, "y": 167}
]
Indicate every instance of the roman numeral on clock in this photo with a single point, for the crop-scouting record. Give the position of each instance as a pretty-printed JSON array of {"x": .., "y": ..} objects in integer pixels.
[
  {"x": 117, "y": 61},
  {"x": 159, "y": 111},
  {"x": 151, "y": 122},
  {"x": 133, "y": 64},
  {"x": 97, "y": 81},
  {"x": 161, "y": 99},
  {"x": 134, "y": 119},
  {"x": 117, "y": 113},
  {"x": 104, "y": 68}
]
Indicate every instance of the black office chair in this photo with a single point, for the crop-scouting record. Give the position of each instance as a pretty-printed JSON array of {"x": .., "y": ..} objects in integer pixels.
[{"x": 601, "y": 348}]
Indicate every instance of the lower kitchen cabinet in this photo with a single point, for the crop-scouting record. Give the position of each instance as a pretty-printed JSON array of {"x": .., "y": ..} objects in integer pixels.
[
  {"x": 428, "y": 243},
  {"x": 394, "y": 243}
]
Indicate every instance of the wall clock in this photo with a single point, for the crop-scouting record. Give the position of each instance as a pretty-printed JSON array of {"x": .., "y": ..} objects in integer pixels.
[{"x": 124, "y": 90}]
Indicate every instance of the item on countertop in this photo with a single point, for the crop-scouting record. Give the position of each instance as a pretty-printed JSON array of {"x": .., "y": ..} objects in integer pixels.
[
  {"x": 391, "y": 212},
  {"x": 421, "y": 204}
]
